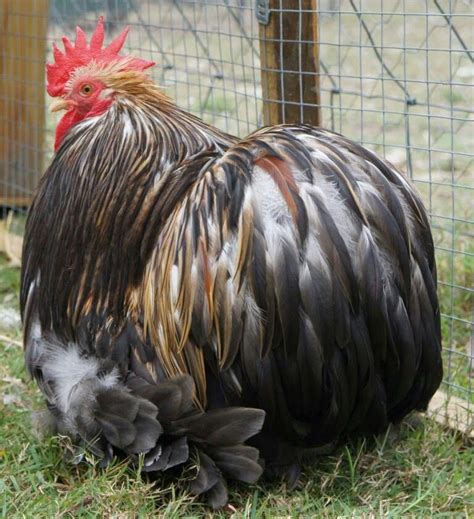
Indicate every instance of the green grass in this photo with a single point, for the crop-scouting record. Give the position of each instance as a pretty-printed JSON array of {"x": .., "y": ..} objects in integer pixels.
[
  {"x": 417, "y": 468},
  {"x": 9, "y": 284}
]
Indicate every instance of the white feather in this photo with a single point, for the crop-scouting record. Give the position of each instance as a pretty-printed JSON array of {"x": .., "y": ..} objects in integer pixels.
[{"x": 67, "y": 368}]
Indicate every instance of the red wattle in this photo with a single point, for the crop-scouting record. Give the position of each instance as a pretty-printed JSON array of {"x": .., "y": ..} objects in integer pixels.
[
  {"x": 75, "y": 116},
  {"x": 70, "y": 118}
]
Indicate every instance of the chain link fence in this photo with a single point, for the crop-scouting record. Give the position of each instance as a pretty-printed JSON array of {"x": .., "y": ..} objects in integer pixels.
[{"x": 395, "y": 75}]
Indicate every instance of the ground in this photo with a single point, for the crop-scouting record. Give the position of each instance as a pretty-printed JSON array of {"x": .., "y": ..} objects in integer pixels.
[{"x": 417, "y": 468}]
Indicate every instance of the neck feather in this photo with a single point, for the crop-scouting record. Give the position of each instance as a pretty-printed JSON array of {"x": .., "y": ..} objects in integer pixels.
[{"x": 115, "y": 181}]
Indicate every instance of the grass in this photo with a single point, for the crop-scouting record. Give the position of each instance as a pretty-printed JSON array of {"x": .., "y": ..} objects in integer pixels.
[{"x": 418, "y": 468}]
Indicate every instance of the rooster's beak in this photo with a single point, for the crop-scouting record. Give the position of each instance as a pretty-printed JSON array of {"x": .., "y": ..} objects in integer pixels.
[{"x": 59, "y": 104}]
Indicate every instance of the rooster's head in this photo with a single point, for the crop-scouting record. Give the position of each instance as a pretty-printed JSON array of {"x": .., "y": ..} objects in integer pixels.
[{"x": 82, "y": 78}]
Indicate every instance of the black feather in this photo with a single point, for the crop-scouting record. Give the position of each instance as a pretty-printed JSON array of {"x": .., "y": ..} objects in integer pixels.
[
  {"x": 223, "y": 427},
  {"x": 207, "y": 476},
  {"x": 238, "y": 462}
]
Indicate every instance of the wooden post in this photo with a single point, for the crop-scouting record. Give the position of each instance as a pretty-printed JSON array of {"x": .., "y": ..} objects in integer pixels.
[
  {"x": 23, "y": 31},
  {"x": 289, "y": 57}
]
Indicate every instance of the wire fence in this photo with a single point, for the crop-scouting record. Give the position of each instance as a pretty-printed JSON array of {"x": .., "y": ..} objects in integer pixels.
[{"x": 395, "y": 75}]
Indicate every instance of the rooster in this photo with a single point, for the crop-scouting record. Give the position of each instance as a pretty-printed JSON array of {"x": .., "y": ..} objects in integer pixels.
[{"x": 195, "y": 298}]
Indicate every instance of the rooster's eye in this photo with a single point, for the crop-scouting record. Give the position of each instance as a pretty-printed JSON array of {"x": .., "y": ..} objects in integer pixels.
[{"x": 86, "y": 90}]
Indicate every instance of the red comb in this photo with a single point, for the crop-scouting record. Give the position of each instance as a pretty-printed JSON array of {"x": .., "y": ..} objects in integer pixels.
[{"x": 80, "y": 54}]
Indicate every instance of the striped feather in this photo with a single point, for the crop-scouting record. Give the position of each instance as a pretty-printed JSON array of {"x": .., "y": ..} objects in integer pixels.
[{"x": 292, "y": 271}]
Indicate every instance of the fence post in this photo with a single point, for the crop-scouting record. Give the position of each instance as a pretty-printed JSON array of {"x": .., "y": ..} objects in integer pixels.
[
  {"x": 289, "y": 56},
  {"x": 23, "y": 32}
]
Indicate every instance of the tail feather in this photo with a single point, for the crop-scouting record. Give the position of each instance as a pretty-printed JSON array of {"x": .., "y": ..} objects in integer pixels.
[
  {"x": 112, "y": 416},
  {"x": 209, "y": 482},
  {"x": 223, "y": 427},
  {"x": 170, "y": 433},
  {"x": 164, "y": 458},
  {"x": 174, "y": 398},
  {"x": 239, "y": 462}
]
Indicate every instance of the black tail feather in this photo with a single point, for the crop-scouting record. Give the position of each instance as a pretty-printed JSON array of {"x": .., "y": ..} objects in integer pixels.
[{"x": 161, "y": 422}]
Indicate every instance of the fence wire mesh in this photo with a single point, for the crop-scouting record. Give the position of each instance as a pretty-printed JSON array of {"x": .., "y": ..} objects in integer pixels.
[{"x": 395, "y": 75}]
